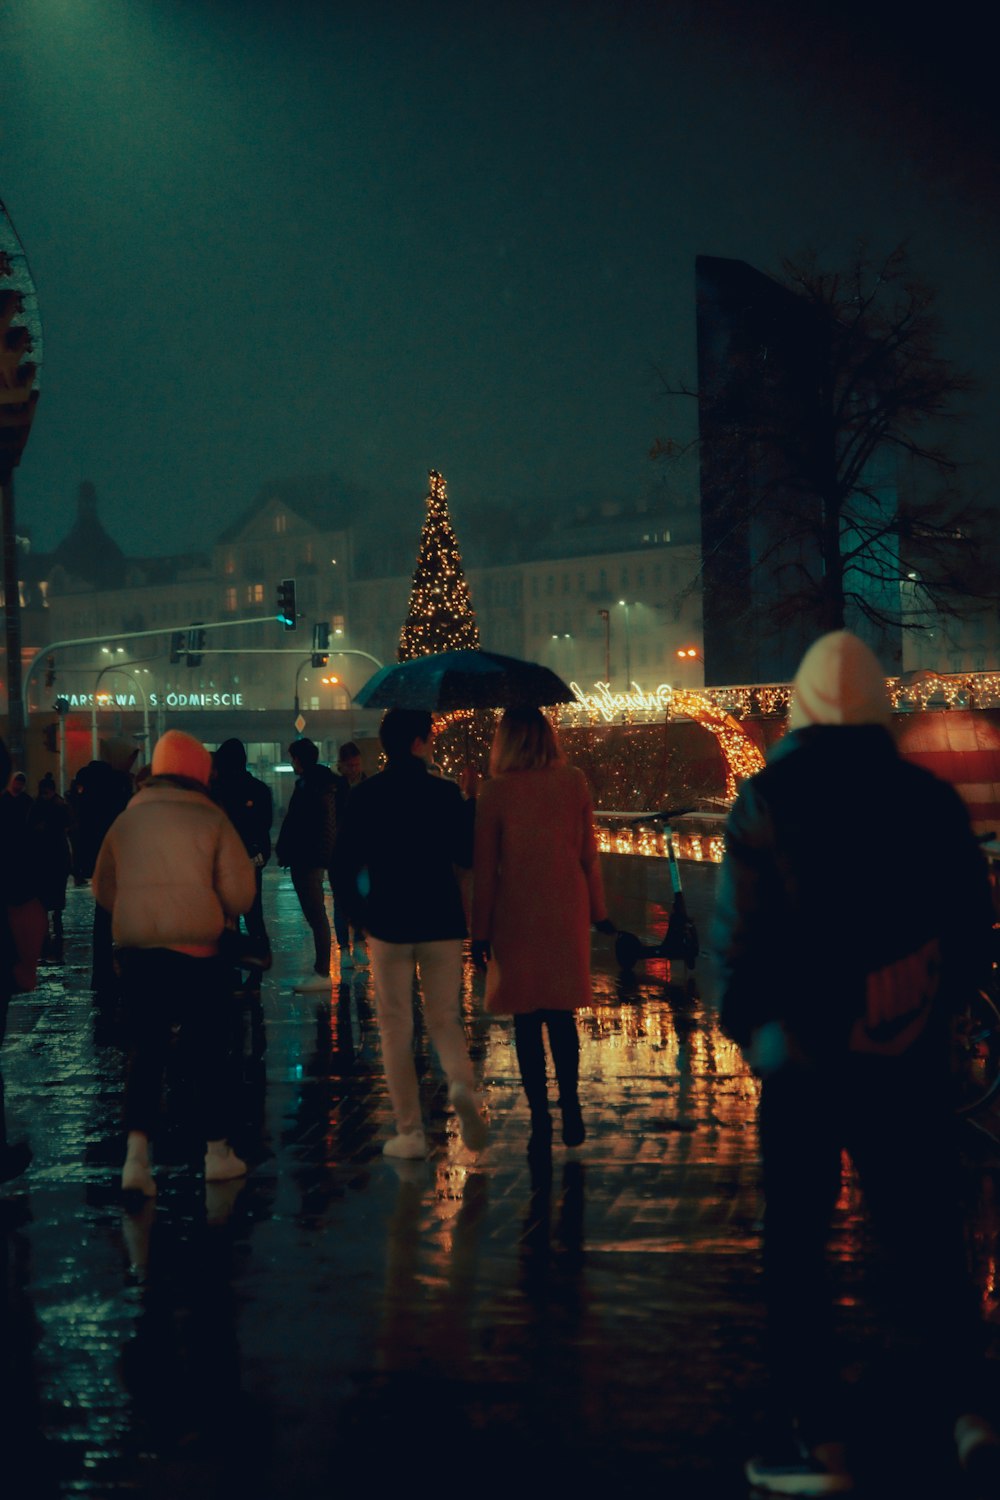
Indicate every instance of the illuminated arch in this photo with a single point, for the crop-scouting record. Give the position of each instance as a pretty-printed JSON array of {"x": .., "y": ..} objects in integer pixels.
[{"x": 740, "y": 753}]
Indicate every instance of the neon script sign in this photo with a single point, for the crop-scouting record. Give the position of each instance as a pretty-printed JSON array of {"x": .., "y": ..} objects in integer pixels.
[{"x": 611, "y": 705}]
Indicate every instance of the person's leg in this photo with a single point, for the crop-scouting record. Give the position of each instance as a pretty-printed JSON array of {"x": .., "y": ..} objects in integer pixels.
[
  {"x": 309, "y": 888},
  {"x": 439, "y": 965},
  {"x": 148, "y": 1011},
  {"x": 440, "y": 968},
  {"x": 254, "y": 919},
  {"x": 392, "y": 970},
  {"x": 15, "y": 1157},
  {"x": 341, "y": 927},
  {"x": 207, "y": 1018},
  {"x": 903, "y": 1142},
  {"x": 801, "y": 1168},
  {"x": 564, "y": 1042},
  {"x": 530, "y": 1050}
]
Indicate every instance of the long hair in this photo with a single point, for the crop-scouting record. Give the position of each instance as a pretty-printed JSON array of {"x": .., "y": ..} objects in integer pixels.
[{"x": 524, "y": 741}]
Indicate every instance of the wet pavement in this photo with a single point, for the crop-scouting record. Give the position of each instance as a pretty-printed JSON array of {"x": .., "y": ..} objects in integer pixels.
[{"x": 338, "y": 1318}]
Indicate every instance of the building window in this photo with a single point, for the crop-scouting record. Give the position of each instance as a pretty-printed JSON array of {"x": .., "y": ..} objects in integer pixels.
[
  {"x": 281, "y": 523},
  {"x": 231, "y": 601},
  {"x": 337, "y": 624},
  {"x": 230, "y": 564},
  {"x": 255, "y": 593}
]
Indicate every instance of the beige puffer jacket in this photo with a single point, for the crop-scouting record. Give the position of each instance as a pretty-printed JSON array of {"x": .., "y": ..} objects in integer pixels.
[{"x": 172, "y": 869}]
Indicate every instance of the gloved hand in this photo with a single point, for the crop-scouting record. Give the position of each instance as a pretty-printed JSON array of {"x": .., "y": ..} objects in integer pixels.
[
  {"x": 606, "y": 925},
  {"x": 481, "y": 955}
]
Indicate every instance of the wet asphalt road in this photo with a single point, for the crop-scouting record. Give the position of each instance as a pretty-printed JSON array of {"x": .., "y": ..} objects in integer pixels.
[{"x": 338, "y": 1319}]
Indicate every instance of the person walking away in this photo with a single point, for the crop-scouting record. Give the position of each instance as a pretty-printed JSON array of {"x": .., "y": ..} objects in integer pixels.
[
  {"x": 537, "y": 890},
  {"x": 171, "y": 872},
  {"x": 305, "y": 848},
  {"x": 853, "y": 916},
  {"x": 15, "y": 899},
  {"x": 50, "y": 825},
  {"x": 348, "y": 775},
  {"x": 102, "y": 791},
  {"x": 249, "y": 806},
  {"x": 408, "y": 831}
]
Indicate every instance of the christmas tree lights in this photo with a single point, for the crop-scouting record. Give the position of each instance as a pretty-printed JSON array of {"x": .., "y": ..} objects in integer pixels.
[{"x": 440, "y": 617}]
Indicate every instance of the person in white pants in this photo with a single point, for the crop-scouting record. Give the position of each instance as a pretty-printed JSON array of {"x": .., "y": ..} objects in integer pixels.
[{"x": 409, "y": 831}]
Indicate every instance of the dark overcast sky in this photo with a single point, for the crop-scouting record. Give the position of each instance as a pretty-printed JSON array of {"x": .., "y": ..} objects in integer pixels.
[{"x": 280, "y": 238}]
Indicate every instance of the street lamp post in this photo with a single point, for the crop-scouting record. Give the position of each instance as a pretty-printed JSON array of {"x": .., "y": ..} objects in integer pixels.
[
  {"x": 605, "y": 615},
  {"x": 624, "y": 604},
  {"x": 114, "y": 666}
]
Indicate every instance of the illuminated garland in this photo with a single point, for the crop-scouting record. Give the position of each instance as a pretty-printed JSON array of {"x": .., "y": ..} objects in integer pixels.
[
  {"x": 741, "y": 755},
  {"x": 440, "y": 617}
]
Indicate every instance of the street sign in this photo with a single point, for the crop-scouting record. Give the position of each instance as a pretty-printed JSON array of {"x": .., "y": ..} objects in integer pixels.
[{"x": 300, "y": 724}]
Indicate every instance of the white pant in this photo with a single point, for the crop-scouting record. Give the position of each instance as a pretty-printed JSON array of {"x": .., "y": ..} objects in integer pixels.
[{"x": 439, "y": 966}]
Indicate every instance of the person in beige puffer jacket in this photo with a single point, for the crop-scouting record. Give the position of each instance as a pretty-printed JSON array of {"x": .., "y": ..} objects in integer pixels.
[{"x": 172, "y": 871}]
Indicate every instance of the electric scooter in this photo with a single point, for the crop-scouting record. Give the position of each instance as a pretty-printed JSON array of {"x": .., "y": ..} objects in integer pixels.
[{"x": 681, "y": 937}]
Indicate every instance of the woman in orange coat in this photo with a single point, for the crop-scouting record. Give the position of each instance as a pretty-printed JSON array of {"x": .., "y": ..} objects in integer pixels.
[{"x": 537, "y": 890}]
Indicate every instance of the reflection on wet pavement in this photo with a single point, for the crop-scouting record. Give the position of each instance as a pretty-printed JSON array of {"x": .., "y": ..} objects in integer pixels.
[{"x": 591, "y": 1319}]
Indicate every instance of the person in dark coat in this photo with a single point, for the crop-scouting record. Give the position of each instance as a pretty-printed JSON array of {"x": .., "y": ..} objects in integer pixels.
[
  {"x": 100, "y": 791},
  {"x": 348, "y": 775},
  {"x": 305, "y": 848},
  {"x": 404, "y": 833},
  {"x": 249, "y": 806},
  {"x": 50, "y": 826},
  {"x": 853, "y": 917}
]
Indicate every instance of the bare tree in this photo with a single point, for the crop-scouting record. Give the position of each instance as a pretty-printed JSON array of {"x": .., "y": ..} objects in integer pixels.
[{"x": 844, "y": 421}]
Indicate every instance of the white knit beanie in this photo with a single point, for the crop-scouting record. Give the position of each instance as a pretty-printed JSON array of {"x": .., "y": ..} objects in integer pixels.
[{"x": 839, "y": 681}]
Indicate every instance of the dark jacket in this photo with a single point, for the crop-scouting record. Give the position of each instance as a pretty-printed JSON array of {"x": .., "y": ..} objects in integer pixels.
[
  {"x": 245, "y": 800},
  {"x": 307, "y": 833},
  {"x": 853, "y": 903},
  {"x": 407, "y": 830}
]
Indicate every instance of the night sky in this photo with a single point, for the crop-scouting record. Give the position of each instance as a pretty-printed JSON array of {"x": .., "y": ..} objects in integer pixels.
[{"x": 274, "y": 239}]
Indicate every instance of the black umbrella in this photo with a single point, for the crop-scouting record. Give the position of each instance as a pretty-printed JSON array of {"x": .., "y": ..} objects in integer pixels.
[{"x": 448, "y": 680}]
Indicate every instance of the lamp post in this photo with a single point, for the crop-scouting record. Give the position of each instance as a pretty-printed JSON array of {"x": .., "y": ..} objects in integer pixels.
[
  {"x": 687, "y": 655},
  {"x": 336, "y": 682},
  {"x": 605, "y": 615},
  {"x": 624, "y": 604},
  {"x": 114, "y": 666}
]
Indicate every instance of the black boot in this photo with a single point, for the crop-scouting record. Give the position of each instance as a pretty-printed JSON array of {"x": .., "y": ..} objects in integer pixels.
[
  {"x": 565, "y": 1045},
  {"x": 531, "y": 1061}
]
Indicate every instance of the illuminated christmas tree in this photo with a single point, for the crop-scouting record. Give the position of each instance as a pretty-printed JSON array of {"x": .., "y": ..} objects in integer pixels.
[{"x": 441, "y": 617}]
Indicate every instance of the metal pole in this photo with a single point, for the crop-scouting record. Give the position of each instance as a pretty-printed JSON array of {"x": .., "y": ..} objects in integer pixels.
[{"x": 605, "y": 615}]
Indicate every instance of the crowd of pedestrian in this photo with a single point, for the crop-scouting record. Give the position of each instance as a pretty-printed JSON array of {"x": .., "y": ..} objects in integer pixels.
[{"x": 852, "y": 1054}]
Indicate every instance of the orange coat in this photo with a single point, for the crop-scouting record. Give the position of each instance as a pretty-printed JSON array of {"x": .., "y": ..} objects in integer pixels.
[{"x": 536, "y": 889}]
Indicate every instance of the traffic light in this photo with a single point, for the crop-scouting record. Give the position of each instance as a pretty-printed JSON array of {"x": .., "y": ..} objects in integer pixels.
[
  {"x": 50, "y": 671},
  {"x": 50, "y": 738},
  {"x": 178, "y": 643},
  {"x": 321, "y": 644},
  {"x": 287, "y": 613},
  {"x": 195, "y": 645}
]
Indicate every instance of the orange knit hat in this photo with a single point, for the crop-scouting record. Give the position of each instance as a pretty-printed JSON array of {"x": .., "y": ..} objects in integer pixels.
[{"x": 180, "y": 754}]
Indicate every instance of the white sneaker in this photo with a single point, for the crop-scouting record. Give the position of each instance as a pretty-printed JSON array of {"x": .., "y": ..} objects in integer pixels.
[
  {"x": 475, "y": 1131},
  {"x": 410, "y": 1147},
  {"x": 346, "y": 959},
  {"x": 360, "y": 956},
  {"x": 222, "y": 1164},
  {"x": 137, "y": 1176},
  {"x": 312, "y": 983}
]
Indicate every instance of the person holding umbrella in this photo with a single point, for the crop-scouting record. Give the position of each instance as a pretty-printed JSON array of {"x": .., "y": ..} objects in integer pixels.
[
  {"x": 404, "y": 834},
  {"x": 537, "y": 890}
]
